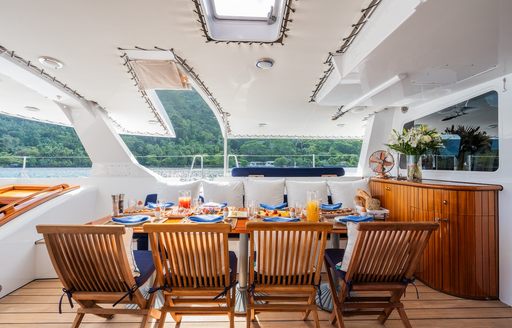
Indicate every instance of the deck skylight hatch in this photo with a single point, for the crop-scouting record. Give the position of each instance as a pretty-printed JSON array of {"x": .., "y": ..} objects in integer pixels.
[
  {"x": 243, "y": 10},
  {"x": 251, "y": 21}
]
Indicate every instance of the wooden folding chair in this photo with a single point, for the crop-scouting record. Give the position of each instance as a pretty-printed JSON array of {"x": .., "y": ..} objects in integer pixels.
[
  {"x": 288, "y": 262},
  {"x": 195, "y": 269},
  {"x": 383, "y": 263},
  {"x": 92, "y": 264}
]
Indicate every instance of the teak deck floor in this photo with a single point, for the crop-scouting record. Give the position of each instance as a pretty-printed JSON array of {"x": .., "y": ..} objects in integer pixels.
[{"x": 35, "y": 305}]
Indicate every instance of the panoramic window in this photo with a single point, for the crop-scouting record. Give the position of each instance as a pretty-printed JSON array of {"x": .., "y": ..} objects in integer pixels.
[
  {"x": 197, "y": 150},
  {"x": 470, "y": 135},
  {"x": 30, "y": 149}
]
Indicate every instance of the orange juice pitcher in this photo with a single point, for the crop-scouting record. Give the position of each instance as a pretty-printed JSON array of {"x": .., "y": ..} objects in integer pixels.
[
  {"x": 312, "y": 207},
  {"x": 184, "y": 199}
]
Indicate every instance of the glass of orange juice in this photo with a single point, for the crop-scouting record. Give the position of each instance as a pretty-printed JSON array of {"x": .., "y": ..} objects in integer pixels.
[{"x": 312, "y": 207}]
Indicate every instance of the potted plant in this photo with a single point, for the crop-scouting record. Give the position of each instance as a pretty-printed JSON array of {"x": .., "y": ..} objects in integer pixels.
[
  {"x": 472, "y": 141},
  {"x": 414, "y": 143}
]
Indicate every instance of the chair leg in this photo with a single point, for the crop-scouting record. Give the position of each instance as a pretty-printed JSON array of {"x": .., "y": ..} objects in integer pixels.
[
  {"x": 78, "y": 320},
  {"x": 315, "y": 317},
  {"x": 176, "y": 317},
  {"x": 395, "y": 298},
  {"x": 404, "y": 317},
  {"x": 311, "y": 300},
  {"x": 336, "y": 314},
  {"x": 161, "y": 322}
]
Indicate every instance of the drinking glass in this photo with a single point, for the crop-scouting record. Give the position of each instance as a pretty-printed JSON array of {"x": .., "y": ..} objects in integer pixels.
[
  {"x": 251, "y": 210},
  {"x": 184, "y": 199},
  {"x": 298, "y": 209},
  {"x": 312, "y": 207}
]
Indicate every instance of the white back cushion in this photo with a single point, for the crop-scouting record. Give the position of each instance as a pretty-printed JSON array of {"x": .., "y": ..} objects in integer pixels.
[
  {"x": 352, "y": 232},
  {"x": 297, "y": 191},
  {"x": 231, "y": 192},
  {"x": 345, "y": 191},
  {"x": 270, "y": 192},
  {"x": 171, "y": 192}
]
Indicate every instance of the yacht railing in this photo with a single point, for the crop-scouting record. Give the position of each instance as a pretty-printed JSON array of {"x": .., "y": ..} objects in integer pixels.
[{"x": 183, "y": 167}]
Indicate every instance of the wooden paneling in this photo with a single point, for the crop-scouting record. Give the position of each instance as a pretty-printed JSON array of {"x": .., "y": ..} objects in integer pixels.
[{"x": 462, "y": 255}]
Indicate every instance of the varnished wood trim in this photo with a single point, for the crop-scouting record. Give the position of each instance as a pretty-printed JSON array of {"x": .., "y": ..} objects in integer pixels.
[{"x": 442, "y": 184}]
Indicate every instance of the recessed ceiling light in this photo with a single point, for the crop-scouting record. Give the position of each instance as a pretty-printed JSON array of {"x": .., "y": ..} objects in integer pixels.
[
  {"x": 50, "y": 62},
  {"x": 262, "y": 124},
  {"x": 340, "y": 125},
  {"x": 152, "y": 121},
  {"x": 265, "y": 63},
  {"x": 32, "y": 108}
]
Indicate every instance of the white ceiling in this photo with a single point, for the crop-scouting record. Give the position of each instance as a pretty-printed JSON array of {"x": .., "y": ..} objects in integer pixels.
[
  {"x": 85, "y": 36},
  {"x": 439, "y": 44},
  {"x": 15, "y": 96}
]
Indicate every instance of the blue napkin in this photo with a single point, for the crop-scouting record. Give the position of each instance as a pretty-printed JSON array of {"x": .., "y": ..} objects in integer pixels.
[
  {"x": 207, "y": 218},
  {"x": 354, "y": 218},
  {"x": 330, "y": 207},
  {"x": 155, "y": 205},
  {"x": 280, "y": 219},
  {"x": 131, "y": 219},
  {"x": 215, "y": 205},
  {"x": 276, "y": 207}
]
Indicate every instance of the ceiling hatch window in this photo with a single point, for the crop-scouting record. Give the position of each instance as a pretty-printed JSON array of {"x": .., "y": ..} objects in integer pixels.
[
  {"x": 244, "y": 21},
  {"x": 243, "y": 10}
]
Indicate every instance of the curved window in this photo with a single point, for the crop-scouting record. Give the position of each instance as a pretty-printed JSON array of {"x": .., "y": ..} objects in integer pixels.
[
  {"x": 40, "y": 150},
  {"x": 470, "y": 135},
  {"x": 197, "y": 150}
]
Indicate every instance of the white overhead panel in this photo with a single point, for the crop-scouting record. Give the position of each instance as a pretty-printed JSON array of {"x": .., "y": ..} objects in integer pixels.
[
  {"x": 442, "y": 46},
  {"x": 21, "y": 101}
]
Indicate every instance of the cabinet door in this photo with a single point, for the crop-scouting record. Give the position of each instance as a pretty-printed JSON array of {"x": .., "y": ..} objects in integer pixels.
[
  {"x": 474, "y": 246},
  {"x": 430, "y": 269},
  {"x": 435, "y": 205}
]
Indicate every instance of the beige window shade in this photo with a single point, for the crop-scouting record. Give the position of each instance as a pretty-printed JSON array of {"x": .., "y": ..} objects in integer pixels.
[{"x": 159, "y": 74}]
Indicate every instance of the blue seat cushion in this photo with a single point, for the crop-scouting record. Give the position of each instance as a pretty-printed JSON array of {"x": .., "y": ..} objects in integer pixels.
[
  {"x": 144, "y": 260},
  {"x": 334, "y": 256}
]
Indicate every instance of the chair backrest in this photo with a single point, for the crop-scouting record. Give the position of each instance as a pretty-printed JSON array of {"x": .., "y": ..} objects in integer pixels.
[
  {"x": 190, "y": 255},
  {"x": 287, "y": 253},
  {"x": 388, "y": 252},
  {"x": 89, "y": 258},
  {"x": 150, "y": 198}
]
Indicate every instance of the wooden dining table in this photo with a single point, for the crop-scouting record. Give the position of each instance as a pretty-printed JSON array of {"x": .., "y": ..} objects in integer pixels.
[{"x": 238, "y": 228}]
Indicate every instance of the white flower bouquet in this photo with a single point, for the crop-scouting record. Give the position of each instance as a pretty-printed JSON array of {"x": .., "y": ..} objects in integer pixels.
[{"x": 416, "y": 141}]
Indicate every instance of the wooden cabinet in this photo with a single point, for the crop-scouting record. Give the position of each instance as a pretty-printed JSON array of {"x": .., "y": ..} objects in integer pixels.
[{"x": 462, "y": 256}]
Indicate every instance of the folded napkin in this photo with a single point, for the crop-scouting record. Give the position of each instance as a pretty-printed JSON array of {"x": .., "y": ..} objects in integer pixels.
[
  {"x": 330, "y": 207},
  {"x": 207, "y": 218},
  {"x": 354, "y": 218},
  {"x": 215, "y": 205},
  {"x": 131, "y": 219},
  {"x": 275, "y": 207},
  {"x": 155, "y": 205},
  {"x": 280, "y": 219}
]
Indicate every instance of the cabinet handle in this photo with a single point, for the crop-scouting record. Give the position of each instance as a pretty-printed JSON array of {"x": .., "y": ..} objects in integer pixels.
[
  {"x": 445, "y": 202},
  {"x": 388, "y": 188},
  {"x": 439, "y": 220}
]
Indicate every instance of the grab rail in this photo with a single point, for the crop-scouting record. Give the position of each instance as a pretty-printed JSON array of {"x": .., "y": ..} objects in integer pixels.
[
  {"x": 10, "y": 211},
  {"x": 201, "y": 157}
]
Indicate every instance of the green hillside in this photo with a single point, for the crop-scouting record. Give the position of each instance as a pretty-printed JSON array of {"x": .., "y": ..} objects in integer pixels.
[{"x": 197, "y": 132}]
